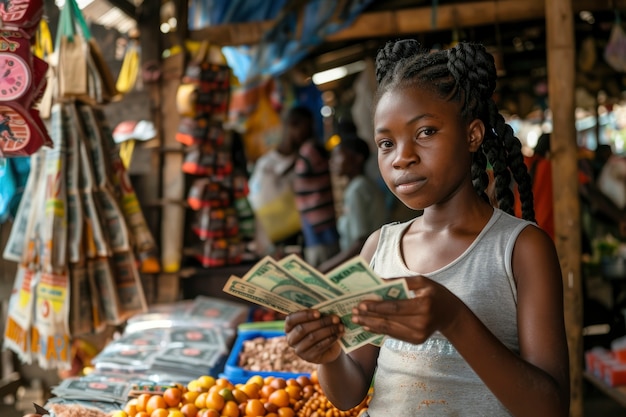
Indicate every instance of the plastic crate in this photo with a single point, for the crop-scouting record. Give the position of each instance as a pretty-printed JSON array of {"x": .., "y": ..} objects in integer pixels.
[{"x": 238, "y": 375}]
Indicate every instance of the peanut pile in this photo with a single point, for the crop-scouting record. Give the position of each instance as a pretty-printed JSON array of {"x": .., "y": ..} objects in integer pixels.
[{"x": 272, "y": 354}]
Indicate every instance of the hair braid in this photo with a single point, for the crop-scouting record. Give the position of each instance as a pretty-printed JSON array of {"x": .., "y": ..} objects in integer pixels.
[
  {"x": 515, "y": 160},
  {"x": 480, "y": 179}
]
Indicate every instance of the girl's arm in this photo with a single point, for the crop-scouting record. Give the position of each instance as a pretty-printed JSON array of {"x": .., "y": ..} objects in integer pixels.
[{"x": 535, "y": 383}]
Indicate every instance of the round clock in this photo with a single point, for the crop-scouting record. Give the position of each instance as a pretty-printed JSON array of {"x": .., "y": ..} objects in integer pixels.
[{"x": 14, "y": 76}]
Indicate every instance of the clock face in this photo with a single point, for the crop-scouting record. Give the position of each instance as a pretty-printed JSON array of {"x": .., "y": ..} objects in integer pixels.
[{"x": 14, "y": 76}]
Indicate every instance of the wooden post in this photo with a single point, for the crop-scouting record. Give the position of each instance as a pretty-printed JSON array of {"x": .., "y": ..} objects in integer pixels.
[{"x": 564, "y": 148}]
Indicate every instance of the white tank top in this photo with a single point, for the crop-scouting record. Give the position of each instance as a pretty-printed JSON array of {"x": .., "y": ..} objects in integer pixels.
[{"x": 432, "y": 379}]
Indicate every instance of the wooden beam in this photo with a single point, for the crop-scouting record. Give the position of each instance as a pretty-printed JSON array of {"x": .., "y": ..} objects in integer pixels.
[
  {"x": 408, "y": 21},
  {"x": 561, "y": 53},
  {"x": 125, "y": 6}
]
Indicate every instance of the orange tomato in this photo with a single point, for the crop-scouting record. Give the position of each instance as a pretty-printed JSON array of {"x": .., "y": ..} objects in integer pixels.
[
  {"x": 206, "y": 382},
  {"x": 266, "y": 391},
  {"x": 131, "y": 408},
  {"x": 271, "y": 415},
  {"x": 224, "y": 383},
  {"x": 257, "y": 379},
  {"x": 211, "y": 413},
  {"x": 231, "y": 409},
  {"x": 255, "y": 408},
  {"x": 190, "y": 397},
  {"x": 160, "y": 412},
  {"x": 142, "y": 402},
  {"x": 142, "y": 414},
  {"x": 251, "y": 390},
  {"x": 314, "y": 379},
  {"x": 175, "y": 413},
  {"x": 286, "y": 412},
  {"x": 294, "y": 392},
  {"x": 215, "y": 401},
  {"x": 189, "y": 410},
  {"x": 303, "y": 380},
  {"x": 155, "y": 401},
  {"x": 201, "y": 400},
  {"x": 172, "y": 396},
  {"x": 239, "y": 396},
  {"x": 278, "y": 383},
  {"x": 280, "y": 398}
]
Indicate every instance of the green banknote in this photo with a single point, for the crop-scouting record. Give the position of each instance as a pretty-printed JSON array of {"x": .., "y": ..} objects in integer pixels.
[{"x": 355, "y": 336}]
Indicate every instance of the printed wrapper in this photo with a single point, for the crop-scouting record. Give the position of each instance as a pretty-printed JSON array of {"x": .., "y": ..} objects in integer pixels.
[
  {"x": 54, "y": 230},
  {"x": 109, "y": 209},
  {"x": 108, "y": 299},
  {"x": 22, "y": 225},
  {"x": 51, "y": 343},
  {"x": 97, "y": 309},
  {"x": 75, "y": 213},
  {"x": 20, "y": 317},
  {"x": 128, "y": 285},
  {"x": 125, "y": 193},
  {"x": 81, "y": 315},
  {"x": 21, "y": 15},
  {"x": 93, "y": 227}
]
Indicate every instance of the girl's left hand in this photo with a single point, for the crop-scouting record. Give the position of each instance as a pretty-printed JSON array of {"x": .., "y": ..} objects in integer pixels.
[{"x": 413, "y": 320}]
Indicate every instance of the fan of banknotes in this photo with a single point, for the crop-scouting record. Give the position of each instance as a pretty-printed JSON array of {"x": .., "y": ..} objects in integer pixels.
[{"x": 291, "y": 284}]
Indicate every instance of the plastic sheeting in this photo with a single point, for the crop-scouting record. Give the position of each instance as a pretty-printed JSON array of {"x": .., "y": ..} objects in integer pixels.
[{"x": 287, "y": 43}]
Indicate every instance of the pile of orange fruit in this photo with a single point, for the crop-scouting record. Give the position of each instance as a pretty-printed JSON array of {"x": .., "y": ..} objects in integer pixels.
[{"x": 218, "y": 397}]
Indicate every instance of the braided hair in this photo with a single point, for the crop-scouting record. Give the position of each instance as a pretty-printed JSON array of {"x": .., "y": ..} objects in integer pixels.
[{"x": 465, "y": 74}]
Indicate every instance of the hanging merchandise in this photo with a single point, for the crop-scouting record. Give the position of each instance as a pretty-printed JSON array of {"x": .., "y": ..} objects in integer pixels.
[
  {"x": 81, "y": 69},
  {"x": 202, "y": 101},
  {"x": 615, "y": 51},
  {"x": 79, "y": 236},
  {"x": 130, "y": 68},
  {"x": 22, "y": 81}
]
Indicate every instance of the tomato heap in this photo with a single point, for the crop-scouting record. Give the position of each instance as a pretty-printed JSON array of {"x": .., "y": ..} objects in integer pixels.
[{"x": 259, "y": 396}]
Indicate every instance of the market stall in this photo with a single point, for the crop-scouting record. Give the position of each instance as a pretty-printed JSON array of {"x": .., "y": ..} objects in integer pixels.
[{"x": 215, "y": 95}]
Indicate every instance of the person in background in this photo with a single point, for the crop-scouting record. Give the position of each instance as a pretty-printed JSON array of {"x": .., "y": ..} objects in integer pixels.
[
  {"x": 312, "y": 186},
  {"x": 483, "y": 332},
  {"x": 363, "y": 207},
  {"x": 540, "y": 171}
]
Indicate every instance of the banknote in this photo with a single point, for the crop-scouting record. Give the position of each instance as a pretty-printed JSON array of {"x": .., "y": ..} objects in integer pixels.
[
  {"x": 269, "y": 275},
  {"x": 245, "y": 290},
  {"x": 310, "y": 276},
  {"x": 354, "y": 276},
  {"x": 355, "y": 336}
]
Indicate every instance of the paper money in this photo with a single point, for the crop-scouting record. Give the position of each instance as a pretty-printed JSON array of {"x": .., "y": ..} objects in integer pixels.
[
  {"x": 344, "y": 288},
  {"x": 239, "y": 288},
  {"x": 310, "y": 276},
  {"x": 355, "y": 336},
  {"x": 269, "y": 275},
  {"x": 354, "y": 275}
]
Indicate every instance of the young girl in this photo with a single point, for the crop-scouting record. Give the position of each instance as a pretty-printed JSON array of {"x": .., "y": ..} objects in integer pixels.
[{"x": 484, "y": 333}]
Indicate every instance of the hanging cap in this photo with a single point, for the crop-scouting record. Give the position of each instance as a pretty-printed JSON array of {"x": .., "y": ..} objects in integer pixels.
[{"x": 131, "y": 129}]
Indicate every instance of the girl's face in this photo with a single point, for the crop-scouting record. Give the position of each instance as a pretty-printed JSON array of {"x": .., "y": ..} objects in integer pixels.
[{"x": 424, "y": 147}]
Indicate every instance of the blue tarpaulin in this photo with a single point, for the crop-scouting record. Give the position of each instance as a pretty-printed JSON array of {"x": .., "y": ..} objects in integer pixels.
[{"x": 288, "y": 42}]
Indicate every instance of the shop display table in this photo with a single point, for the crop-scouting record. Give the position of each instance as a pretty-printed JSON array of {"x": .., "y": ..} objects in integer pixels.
[{"x": 618, "y": 393}]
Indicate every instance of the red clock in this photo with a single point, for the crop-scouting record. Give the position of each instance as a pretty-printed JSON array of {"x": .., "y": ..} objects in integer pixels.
[{"x": 14, "y": 76}]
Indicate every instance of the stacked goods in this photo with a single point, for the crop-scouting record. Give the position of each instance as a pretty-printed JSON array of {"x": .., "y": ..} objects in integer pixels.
[
  {"x": 22, "y": 80},
  {"x": 213, "y": 397},
  {"x": 608, "y": 365},
  {"x": 218, "y": 188}
]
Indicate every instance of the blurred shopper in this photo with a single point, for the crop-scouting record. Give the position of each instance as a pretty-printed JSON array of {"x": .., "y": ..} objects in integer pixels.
[{"x": 363, "y": 208}]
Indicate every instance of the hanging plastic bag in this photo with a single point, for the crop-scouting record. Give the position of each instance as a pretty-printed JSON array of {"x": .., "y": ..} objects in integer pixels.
[
  {"x": 615, "y": 52},
  {"x": 8, "y": 188}
]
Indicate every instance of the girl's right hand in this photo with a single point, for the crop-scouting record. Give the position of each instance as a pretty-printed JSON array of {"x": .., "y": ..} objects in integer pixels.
[{"x": 313, "y": 336}]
